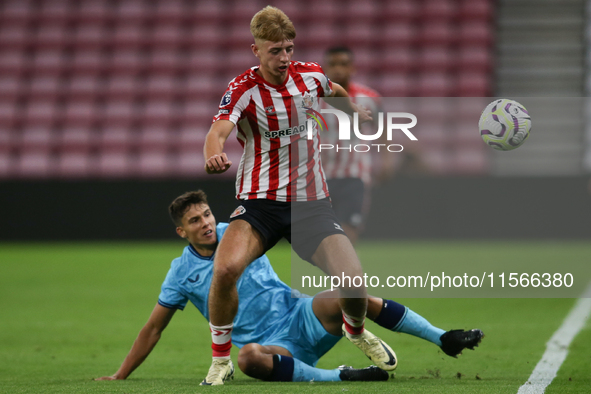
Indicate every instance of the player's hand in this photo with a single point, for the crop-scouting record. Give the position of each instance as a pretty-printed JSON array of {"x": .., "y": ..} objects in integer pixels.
[
  {"x": 217, "y": 164},
  {"x": 364, "y": 114},
  {"x": 113, "y": 377}
]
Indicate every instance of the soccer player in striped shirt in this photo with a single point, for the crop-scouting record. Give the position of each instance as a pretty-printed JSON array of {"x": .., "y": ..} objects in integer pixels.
[
  {"x": 348, "y": 172},
  {"x": 280, "y": 184}
]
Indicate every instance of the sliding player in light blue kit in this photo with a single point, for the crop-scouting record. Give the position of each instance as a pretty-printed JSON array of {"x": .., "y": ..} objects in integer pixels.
[{"x": 280, "y": 338}]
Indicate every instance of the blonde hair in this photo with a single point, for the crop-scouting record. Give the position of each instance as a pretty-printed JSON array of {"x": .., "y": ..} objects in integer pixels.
[{"x": 271, "y": 24}]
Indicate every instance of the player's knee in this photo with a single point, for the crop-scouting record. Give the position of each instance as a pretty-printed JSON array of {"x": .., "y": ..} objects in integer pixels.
[
  {"x": 228, "y": 272},
  {"x": 249, "y": 359}
]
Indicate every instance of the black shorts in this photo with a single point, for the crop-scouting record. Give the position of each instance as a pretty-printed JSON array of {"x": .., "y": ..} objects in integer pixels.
[
  {"x": 348, "y": 197},
  {"x": 304, "y": 224}
]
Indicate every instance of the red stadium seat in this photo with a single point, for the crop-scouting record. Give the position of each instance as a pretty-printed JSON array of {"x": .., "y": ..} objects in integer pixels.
[
  {"x": 80, "y": 113},
  {"x": 51, "y": 37},
  {"x": 34, "y": 164},
  {"x": 436, "y": 59},
  {"x": 438, "y": 10},
  {"x": 132, "y": 11},
  {"x": 93, "y": 11},
  {"x": 190, "y": 164},
  {"x": 206, "y": 35},
  {"x": 171, "y": 11},
  {"x": 475, "y": 33},
  {"x": 394, "y": 85},
  {"x": 326, "y": 11},
  {"x": 20, "y": 11},
  {"x": 364, "y": 11},
  {"x": 156, "y": 138},
  {"x": 394, "y": 12},
  {"x": 164, "y": 61},
  {"x": 321, "y": 35},
  {"x": 120, "y": 113},
  {"x": 154, "y": 164},
  {"x": 13, "y": 63},
  {"x": 10, "y": 88},
  {"x": 90, "y": 37},
  {"x": 48, "y": 62},
  {"x": 6, "y": 165},
  {"x": 399, "y": 35},
  {"x": 203, "y": 87},
  {"x": 474, "y": 85},
  {"x": 476, "y": 10},
  {"x": 74, "y": 165},
  {"x": 207, "y": 11},
  {"x": 117, "y": 139},
  {"x": 397, "y": 60},
  {"x": 360, "y": 34},
  {"x": 122, "y": 87},
  {"x": 192, "y": 138},
  {"x": 59, "y": 12},
  {"x": 129, "y": 62},
  {"x": 437, "y": 33},
  {"x": 112, "y": 164},
  {"x": 167, "y": 36},
  {"x": 45, "y": 88},
  {"x": 87, "y": 62},
  {"x": 76, "y": 139},
  {"x": 198, "y": 112},
  {"x": 159, "y": 113},
  {"x": 162, "y": 87},
  {"x": 14, "y": 36},
  {"x": 128, "y": 36},
  {"x": 37, "y": 138},
  {"x": 10, "y": 113},
  {"x": 475, "y": 59},
  {"x": 40, "y": 113},
  {"x": 435, "y": 85},
  {"x": 84, "y": 87}
]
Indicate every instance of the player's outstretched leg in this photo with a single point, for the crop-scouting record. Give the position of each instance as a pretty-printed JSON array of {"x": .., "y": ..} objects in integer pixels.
[
  {"x": 263, "y": 362},
  {"x": 220, "y": 371},
  {"x": 454, "y": 341},
  {"x": 374, "y": 348},
  {"x": 397, "y": 317}
]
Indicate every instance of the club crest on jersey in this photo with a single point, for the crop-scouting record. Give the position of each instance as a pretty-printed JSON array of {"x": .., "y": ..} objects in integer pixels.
[
  {"x": 238, "y": 211},
  {"x": 226, "y": 99},
  {"x": 307, "y": 100},
  {"x": 270, "y": 110}
]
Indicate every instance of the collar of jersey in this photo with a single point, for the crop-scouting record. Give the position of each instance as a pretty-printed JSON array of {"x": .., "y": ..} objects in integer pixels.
[
  {"x": 196, "y": 253},
  {"x": 262, "y": 80}
]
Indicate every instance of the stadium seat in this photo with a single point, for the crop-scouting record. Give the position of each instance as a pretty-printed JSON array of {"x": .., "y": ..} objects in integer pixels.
[
  {"x": 437, "y": 34},
  {"x": 203, "y": 62},
  {"x": 130, "y": 62},
  {"x": 207, "y": 11},
  {"x": 11, "y": 89},
  {"x": 75, "y": 165},
  {"x": 17, "y": 11},
  {"x": 192, "y": 137},
  {"x": 120, "y": 113},
  {"x": 13, "y": 37},
  {"x": 78, "y": 140},
  {"x": 49, "y": 62},
  {"x": 399, "y": 11},
  {"x": 474, "y": 59},
  {"x": 89, "y": 37},
  {"x": 93, "y": 11},
  {"x": 164, "y": 61},
  {"x": 203, "y": 87},
  {"x": 154, "y": 164},
  {"x": 435, "y": 85},
  {"x": 475, "y": 33},
  {"x": 80, "y": 113},
  {"x": 397, "y": 60},
  {"x": 171, "y": 11},
  {"x": 128, "y": 36},
  {"x": 84, "y": 87},
  {"x": 133, "y": 11},
  {"x": 160, "y": 87},
  {"x": 45, "y": 88},
  {"x": 57, "y": 12},
  {"x": 436, "y": 59},
  {"x": 112, "y": 164},
  {"x": 394, "y": 85},
  {"x": 6, "y": 165},
  {"x": 122, "y": 87},
  {"x": 204, "y": 36},
  {"x": 51, "y": 37},
  {"x": 476, "y": 10},
  {"x": 438, "y": 10},
  {"x": 13, "y": 63},
  {"x": 190, "y": 164},
  {"x": 474, "y": 85},
  {"x": 398, "y": 35},
  {"x": 117, "y": 139},
  {"x": 359, "y": 34},
  {"x": 87, "y": 62},
  {"x": 198, "y": 112},
  {"x": 34, "y": 164},
  {"x": 470, "y": 162},
  {"x": 40, "y": 113},
  {"x": 158, "y": 112},
  {"x": 10, "y": 114},
  {"x": 167, "y": 36}
]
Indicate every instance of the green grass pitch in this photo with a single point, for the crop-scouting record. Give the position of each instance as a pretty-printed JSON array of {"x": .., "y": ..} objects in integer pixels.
[{"x": 70, "y": 313}]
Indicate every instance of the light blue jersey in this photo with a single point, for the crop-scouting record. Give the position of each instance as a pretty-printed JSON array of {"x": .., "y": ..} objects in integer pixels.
[{"x": 265, "y": 301}]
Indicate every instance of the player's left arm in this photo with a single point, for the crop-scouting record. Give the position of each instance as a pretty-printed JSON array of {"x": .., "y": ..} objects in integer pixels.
[
  {"x": 347, "y": 105},
  {"x": 146, "y": 340}
]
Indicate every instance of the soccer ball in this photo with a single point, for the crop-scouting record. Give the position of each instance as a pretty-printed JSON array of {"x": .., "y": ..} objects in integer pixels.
[{"x": 504, "y": 124}]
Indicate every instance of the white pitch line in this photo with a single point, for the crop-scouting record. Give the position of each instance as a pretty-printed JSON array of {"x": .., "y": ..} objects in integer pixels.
[{"x": 557, "y": 347}]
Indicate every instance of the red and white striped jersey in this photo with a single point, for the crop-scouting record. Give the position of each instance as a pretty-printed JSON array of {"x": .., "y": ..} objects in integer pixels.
[
  {"x": 342, "y": 163},
  {"x": 279, "y": 161}
]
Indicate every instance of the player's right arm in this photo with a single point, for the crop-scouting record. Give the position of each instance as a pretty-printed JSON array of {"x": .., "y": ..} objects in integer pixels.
[
  {"x": 148, "y": 338},
  {"x": 216, "y": 160}
]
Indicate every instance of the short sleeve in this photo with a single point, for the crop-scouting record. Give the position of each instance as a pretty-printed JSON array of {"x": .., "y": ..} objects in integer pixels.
[
  {"x": 233, "y": 102},
  {"x": 170, "y": 294}
]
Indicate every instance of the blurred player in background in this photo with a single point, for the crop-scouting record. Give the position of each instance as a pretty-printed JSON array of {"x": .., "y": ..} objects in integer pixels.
[
  {"x": 271, "y": 328},
  {"x": 280, "y": 175},
  {"x": 349, "y": 173}
]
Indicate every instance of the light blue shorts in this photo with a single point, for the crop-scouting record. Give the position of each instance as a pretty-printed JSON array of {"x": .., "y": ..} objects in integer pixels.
[{"x": 303, "y": 334}]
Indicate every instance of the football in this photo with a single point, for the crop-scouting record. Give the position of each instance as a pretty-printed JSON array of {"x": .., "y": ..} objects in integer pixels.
[{"x": 504, "y": 124}]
